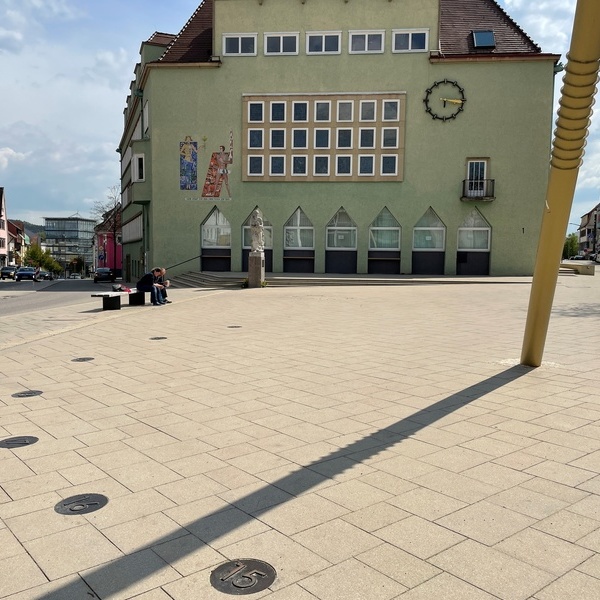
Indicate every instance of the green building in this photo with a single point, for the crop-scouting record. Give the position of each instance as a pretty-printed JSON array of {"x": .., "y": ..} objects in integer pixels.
[{"x": 375, "y": 136}]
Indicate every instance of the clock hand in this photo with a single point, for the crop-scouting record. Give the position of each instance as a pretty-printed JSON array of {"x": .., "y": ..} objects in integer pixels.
[{"x": 451, "y": 100}]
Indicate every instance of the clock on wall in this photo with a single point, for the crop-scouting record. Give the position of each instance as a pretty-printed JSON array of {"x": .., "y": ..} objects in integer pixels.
[{"x": 444, "y": 100}]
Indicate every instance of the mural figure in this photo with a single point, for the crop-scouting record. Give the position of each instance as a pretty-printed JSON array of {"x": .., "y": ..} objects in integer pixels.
[
  {"x": 218, "y": 171},
  {"x": 188, "y": 164}
]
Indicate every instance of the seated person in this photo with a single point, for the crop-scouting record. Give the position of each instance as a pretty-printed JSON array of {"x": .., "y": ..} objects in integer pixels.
[
  {"x": 165, "y": 284},
  {"x": 148, "y": 284}
]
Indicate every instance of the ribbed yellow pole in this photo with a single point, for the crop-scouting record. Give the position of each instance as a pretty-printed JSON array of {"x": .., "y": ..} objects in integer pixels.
[{"x": 567, "y": 151}]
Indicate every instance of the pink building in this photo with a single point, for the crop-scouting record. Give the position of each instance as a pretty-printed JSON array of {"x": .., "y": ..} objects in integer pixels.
[{"x": 107, "y": 241}]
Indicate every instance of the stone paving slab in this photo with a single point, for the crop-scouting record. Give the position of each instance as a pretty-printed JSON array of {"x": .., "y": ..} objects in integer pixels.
[{"x": 369, "y": 442}]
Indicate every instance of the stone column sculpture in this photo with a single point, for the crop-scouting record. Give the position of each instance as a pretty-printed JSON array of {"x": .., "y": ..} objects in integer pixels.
[{"x": 256, "y": 260}]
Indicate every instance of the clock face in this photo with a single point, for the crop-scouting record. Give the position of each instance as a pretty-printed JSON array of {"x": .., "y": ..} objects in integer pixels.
[{"x": 444, "y": 100}]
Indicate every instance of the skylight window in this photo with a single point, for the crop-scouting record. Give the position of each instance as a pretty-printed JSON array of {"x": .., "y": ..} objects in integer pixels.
[{"x": 484, "y": 39}]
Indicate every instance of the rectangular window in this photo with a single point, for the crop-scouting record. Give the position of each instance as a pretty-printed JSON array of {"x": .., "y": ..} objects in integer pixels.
[
  {"x": 138, "y": 168},
  {"x": 277, "y": 138},
  {"x": 365, "y": 42},
  {"x": 367, "y": 138},
  {"x": 321, "y": 138},
  {"x": 343, "y": 165},
  {"x": 281, "y": 43},
  {"x": 391, "y": 110},
  {"x": 345, "y": 110},
  {"x": 484, "y": 39},
  {"x": 341, "y": 238},
  {"x": 389, "y": 164},
  {"x": 384, "y": 238},
  {"x": 344, "y": 138},
  {"x": 256, "y": 112},
  {"x": 321, "y": 165},
  {"x": 367, "y": 110},
  {"x": 366, "y": 164},
  {"x": 429, "y": 238},
  {"x": 323, "y": 111},
  {"x": 241, "y": 44},
  {"x": 299, "y": 165},
  {"x": 255, "y": 165},
  {"x": 299, "y": 138},
  {"x": 255, "y": 138},
  {"x": 277, "y": 112},
  {"x": 277, "y": 165},
  {"x": 323, "y": 43},
  {"x": 300, "y": 112},
  {"x": 389, "y": 137},
  {"x": 409, "y": 40},
  {"x": 474, "y": 239}
]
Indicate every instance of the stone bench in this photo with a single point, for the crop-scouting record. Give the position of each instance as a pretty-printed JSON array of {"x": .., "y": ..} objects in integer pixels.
[
  {"x": 112, "y": 300},
  {"x": 582, "y": 267}
]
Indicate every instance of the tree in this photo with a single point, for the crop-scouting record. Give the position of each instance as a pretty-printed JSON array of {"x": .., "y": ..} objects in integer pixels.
[
  {"x": 571, "y": 247},
  {"x": 109, "y": 214}
]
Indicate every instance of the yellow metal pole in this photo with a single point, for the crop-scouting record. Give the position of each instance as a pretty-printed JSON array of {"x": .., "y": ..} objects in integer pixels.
[{"x": 567, "y": 151}]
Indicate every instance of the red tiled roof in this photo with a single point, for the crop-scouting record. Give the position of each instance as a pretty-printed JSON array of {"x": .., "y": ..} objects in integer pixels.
[
  {"x": 194, "y": 41},
  {"x": 458, "y": 19},
  {"x": 161, "y": 39}
]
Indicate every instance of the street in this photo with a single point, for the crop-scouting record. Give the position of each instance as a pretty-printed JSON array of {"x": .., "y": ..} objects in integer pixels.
[{"x": 17, "y": 298}]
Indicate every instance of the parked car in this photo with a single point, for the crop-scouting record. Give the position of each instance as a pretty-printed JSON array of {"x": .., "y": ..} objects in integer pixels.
[
  {"x": 75, "y": 276},
  {"x": 8, "y": 272},
  {"x": 578, "y": 257},
  {"x": 25, "y": 273},
  {"x": 45, "y": 275},
  {"x": 104, "y": 274}
]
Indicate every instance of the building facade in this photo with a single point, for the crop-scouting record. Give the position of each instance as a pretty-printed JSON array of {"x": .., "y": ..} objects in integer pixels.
[
  {"x": 375, "y": 136},
  {"x": 107, "y": 241},
  {"x": 3, "y": 230},
  {"x": 70, "y": 241}
]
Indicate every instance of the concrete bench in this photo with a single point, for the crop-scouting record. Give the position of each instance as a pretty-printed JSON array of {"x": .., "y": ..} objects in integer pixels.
[
  {"x": 581, "y": 267},
  {"x": 112, "y": 300}
]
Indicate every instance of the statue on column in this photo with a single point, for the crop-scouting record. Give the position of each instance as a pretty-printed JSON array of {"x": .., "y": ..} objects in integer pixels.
[{"x": 257, "y": 231}]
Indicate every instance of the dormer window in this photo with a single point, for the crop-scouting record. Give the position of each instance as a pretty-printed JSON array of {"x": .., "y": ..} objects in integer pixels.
[{"x": 484, "y": 38}]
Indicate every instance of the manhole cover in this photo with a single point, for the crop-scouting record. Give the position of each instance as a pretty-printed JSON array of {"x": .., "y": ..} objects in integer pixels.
[
  {"x": 18, "y": 442},
  {"x": 83, "y": 359},
  {"x": 234, "y": 326},
  {"x": 158, "y": 338},
  {"x": 79, "y": 505},
  {"x": 27, "y": 394},
  {"x": 243, "y": 576}
]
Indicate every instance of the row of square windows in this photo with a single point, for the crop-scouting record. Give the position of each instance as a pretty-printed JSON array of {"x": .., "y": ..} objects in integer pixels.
[
  {"x": 322, "y": 138},
  {"x": 322, "y": 111},
  {"x": 322, "y": 165},
  {"x": 325, "y": 42}
]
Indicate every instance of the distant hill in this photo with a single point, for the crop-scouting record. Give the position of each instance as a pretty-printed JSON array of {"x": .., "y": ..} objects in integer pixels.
[{"x": 32, "y": 228}]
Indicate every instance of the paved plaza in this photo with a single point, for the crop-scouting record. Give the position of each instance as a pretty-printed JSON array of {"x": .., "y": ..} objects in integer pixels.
[{"x": 368, "y": 442}]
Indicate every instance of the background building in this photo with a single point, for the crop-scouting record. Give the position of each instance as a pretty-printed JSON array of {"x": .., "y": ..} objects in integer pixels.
[
  {"x": 375, "y": 136},
  {"x": 70, "y": 239},
  {"x": 3, "y": 230}
]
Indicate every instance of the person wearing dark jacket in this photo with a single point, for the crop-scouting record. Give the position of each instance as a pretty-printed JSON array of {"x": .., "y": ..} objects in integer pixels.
[{"x": 148, "y": 283}]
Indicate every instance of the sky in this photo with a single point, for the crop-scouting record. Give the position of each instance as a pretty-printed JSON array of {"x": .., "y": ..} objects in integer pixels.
[{"x": 65, "y": 71}]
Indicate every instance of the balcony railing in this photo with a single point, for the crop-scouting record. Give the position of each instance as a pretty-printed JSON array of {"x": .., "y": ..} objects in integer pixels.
[{"x": 481, "y": 190}]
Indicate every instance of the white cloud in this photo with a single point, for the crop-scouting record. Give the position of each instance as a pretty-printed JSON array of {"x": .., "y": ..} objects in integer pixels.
[{"x": 8, "y": 155}]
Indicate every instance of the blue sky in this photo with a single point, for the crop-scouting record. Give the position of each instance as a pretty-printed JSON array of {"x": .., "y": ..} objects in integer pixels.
[{"x": 65, "y": 70}]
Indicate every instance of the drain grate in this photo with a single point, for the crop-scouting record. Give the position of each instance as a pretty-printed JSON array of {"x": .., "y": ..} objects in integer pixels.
[
  {"x": 83, "y": 359},
  {"x": 18, "y": 442},
  {"x": 27, "y": 394},
  {"x": 80, "y": 505},
  {"x": 243, "y": 576}
]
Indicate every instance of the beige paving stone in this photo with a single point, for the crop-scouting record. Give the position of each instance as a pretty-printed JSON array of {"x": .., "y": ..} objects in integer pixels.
[
  {"x": 492, "y": 571},
  {"x": 354, "y": 494},
  {"x": 37, "y": 524},
  {"x": 19, "y": 572},
  {"x": 144, "y": 475},
  {"x": 301, "y": 513},
  {"x": 84, "y": 473},
  {"x": 366, "y": 583},
  {"x": 447, "y": 587},
  {"x": 426, "y": 503},
  {"x": 591, "y": 541},
  {"x": 485, "y": 522},
  {"x": 124, "y": 457},
  {"x": 9, "y": 545},
  {"x": 188, "y": 554},
  {"x": 555, "y": 471},
  {"x": 567, "y": 525},
  {"x": 590, "y": 566},
  {"x": 544, "y": 551},
  {"x": 87, "y": 547},
  {"x": 456, "y": 486},
  {"x": 549, "y": 451},
  {"x": 55, "y": 462},
  {"x": 399, "y": 565},
  {"x": 26, "y": 487},
  {"x": 66, "y": 588},
  {"x": 419, "y": 537},
  {"x": 555, "y": 490},
  {"x": 375, "y": 516},
  {"x": 12, "y": 468},
  {"x": 336, "y": 540},
  {"x": 497, "y": 475},
  {"x": 130, "y": 575},
  {"x": 572, "y": 585},
  {"x": 569, "y": 440},
  {"x": 491, "y": 446}
]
